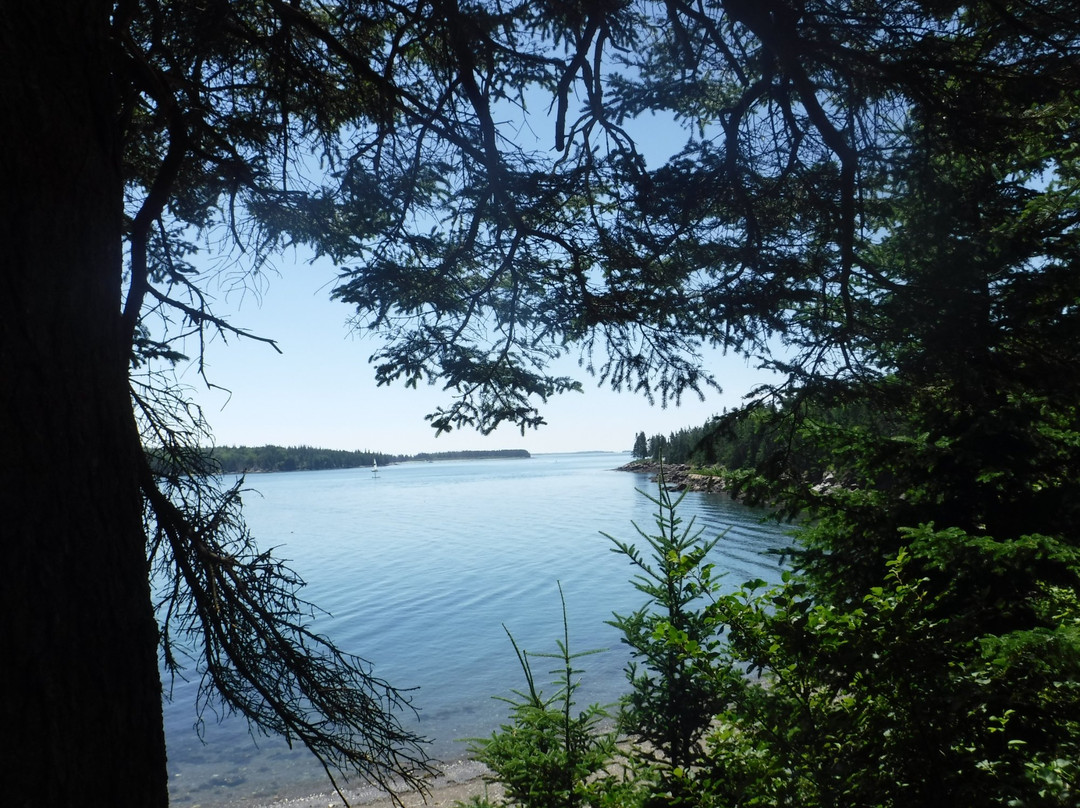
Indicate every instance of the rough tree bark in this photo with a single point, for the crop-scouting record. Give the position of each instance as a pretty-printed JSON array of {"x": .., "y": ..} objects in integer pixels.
[{"x": 81, "y": 690}]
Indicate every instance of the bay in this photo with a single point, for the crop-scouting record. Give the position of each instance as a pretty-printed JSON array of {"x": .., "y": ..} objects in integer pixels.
[{"x": 421, "y": 566}]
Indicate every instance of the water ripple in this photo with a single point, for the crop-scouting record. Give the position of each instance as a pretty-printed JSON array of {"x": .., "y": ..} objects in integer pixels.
[{"x": 421, "y": 569}]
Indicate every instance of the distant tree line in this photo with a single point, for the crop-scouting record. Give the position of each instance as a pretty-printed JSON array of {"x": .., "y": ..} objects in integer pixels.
[
  {"x": 479, "y": 454},
  {"x": 676, "y": 447},
  {"x": 241, "y": 459},
  {"x": 757, "y": 440}
]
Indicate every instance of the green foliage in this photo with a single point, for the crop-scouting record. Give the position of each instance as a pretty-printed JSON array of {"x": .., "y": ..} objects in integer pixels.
[
  {"x": 951, "y": 674},
  {"x": 754, "y": 438},
  {"x": 913, "y": 689},
  {"x": 548, "y": 757},
  {"x": 674, "y": 689},
  {"x": 677, "y": 447},
  {"x": 893, "y": 699}
]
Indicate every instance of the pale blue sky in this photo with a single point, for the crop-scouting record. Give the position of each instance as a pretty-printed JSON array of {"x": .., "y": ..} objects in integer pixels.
[{"x": 321, "y": 391}]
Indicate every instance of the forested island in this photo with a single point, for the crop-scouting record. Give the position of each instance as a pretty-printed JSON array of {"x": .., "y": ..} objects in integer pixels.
[
  {"x": 248, "y": 459},
  {"x": 496, "y": 454}
]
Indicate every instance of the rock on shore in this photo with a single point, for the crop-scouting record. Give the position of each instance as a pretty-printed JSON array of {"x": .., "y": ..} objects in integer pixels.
[{"x": 677, "y": 476}]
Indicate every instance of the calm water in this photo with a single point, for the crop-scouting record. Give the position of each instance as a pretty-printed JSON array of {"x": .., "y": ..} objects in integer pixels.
[{"x": 422, "y": 565}]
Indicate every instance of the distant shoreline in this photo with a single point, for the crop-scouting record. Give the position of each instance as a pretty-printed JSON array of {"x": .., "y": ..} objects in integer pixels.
[
  {"x": 272, "y": 458},
  {"x": 479, "y": 454}
]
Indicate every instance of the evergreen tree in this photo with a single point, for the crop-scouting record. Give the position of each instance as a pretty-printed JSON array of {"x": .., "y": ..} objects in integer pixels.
[
  {"x": 923, "y": 653},
  {"x": 641, "y": 446},
  {"x": 673, "y": 697}
]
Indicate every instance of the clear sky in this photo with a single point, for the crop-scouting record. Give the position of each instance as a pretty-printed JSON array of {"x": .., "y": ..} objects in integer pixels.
[{"x": 320, "y": 391}]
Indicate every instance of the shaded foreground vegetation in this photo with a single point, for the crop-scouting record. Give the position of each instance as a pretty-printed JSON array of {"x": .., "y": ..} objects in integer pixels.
[{"x": 790, "y": 696}]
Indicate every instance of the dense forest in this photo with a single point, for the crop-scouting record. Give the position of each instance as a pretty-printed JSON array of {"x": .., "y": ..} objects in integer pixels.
[
  {"x": 245, "y": 459},
  {"x": 473, "y": 454},
  {"x": 750, "y": 439}
]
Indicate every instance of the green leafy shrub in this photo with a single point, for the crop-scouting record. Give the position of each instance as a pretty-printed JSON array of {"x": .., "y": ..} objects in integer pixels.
[
  {"x": 548, "y": 757},
  {"x": 674, "y": 691}
]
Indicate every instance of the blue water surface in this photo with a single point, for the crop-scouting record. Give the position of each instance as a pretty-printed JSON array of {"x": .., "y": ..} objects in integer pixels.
[{"x": 420, "y": 568}]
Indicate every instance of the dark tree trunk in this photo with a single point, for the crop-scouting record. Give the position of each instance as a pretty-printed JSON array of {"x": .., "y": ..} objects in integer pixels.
[{"x": 80, "y": 686}]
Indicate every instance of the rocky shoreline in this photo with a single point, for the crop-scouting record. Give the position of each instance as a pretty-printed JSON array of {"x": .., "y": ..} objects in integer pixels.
[{"x": 677, "y": 476}]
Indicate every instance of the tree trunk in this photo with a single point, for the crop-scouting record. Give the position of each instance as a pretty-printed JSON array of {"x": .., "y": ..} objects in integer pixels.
[{"x": 80, "y": 683}]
